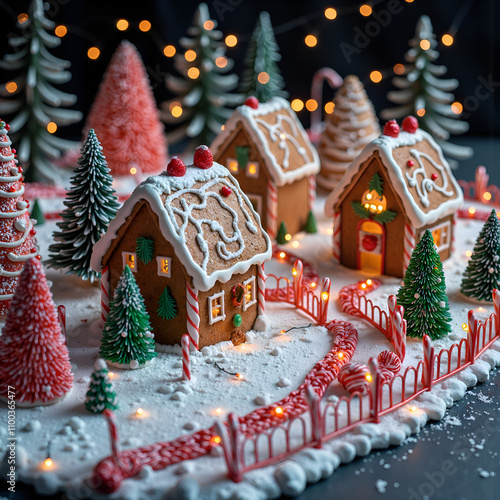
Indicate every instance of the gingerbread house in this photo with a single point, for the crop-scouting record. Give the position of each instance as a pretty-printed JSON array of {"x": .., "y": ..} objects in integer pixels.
[
  {"x": 196, "y": 240},
  {"x": 399, "y": 186},
  {"x": 266, "y": 148}
]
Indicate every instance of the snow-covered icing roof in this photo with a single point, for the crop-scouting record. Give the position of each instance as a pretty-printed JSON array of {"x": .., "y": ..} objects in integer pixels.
[
  {"x": 214, "y": 235},
  {"x": 420, "y": 175},
  {"x": 279, "y": 137}
]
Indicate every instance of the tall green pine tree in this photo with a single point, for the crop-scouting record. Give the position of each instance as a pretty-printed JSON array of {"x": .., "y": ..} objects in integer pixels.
[
  {"x": 204, "y": 91},
  {"x": 127, "y": 339},
  {"x": 420, "y": 88},
  {"x": 423, "y": 294},
  {"x": 262, "y": 56},
  {"x": 90, "y": 205},
  {"x": 101, "y": 394},
  {"x": 482, "y": 274},
  {"x": 35, "y": 102}
]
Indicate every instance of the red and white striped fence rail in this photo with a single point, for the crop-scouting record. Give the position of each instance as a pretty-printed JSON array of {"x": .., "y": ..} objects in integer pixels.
[{"x": 479, "y": 190}]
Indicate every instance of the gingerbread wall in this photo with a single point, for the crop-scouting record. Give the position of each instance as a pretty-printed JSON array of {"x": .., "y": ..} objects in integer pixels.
[{"x": 293, "y": 205}]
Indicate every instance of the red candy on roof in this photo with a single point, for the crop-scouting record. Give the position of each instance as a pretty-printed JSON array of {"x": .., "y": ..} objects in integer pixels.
[
  {"x": 176, "y": 167},
  {"x": 391, "y": 128},
  {"x": 252, "y": 102},
  {"x": 410, "y": 124},
  {"x": 203, "y": 157}
]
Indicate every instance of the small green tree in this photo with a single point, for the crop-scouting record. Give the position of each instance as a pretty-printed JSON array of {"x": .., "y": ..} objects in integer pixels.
[
  {"x": 101, "y": 394},
  {"x": 37, "y": 214},
  {"x": 311, "y": 223},
  {"x": 127, "y": 339},
  {"x": 482, "y": 274},
  {"x": 90, "y": 205},
  {"x": 145, "y": 249},
  {"x": 167, "y": 307},
  {"x": 262, "y": 57},
  {"x": 423, "y": 294},
  {"x": 282, "y": 232}
]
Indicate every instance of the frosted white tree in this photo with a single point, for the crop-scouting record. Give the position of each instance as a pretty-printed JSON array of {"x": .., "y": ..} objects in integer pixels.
[{"x": 33, "y": 101}]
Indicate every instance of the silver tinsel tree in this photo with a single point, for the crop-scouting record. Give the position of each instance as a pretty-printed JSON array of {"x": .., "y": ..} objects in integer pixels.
[{"x": 35, "y": 102}]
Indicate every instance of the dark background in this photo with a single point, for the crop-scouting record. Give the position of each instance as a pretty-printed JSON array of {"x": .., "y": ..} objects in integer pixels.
[{"x": 92, "y": 22}]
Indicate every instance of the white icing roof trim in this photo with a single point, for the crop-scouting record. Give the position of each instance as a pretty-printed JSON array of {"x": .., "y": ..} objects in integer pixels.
[
  {"x": 151, "y": 190},
  {"x": 249, "y": 115},
  {"x": 385, "y": 145}
]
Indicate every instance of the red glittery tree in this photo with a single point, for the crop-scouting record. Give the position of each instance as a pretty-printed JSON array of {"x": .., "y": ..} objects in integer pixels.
[
  {"x": 123, "y": 109},
  {"x": 16, "y": 230},
  {"x": 34, "y": 359}
]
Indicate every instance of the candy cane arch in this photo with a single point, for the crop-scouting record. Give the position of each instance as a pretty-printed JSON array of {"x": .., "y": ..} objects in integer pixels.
[
  {"x": 104, "y": 295},
  {"x": 409, "y": 244},
  {"x": 312, "y": 190},
  {"x": 261, "y": 292},
  {"x": 272, "y": 210},
  {"x": 186, "y": 362},
  {"x": 336, "y": 237},
  {"x": 193, "y": 315}
]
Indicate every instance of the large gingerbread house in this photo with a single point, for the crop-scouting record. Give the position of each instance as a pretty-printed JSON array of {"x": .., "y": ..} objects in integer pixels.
[
  {"x": 398, "y": 187},
  {"x": 196, "y": 239},
  {"x": 266, "y": 148}
]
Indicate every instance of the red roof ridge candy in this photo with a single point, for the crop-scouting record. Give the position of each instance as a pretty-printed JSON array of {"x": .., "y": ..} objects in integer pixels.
[
  {"x": 203, "y": 157},
  {"x": 176, "y": 167},
  {"x": 391, "y": 128},
  {"x": 252, "y": 102},
  {"x": 410, "y": 124}
]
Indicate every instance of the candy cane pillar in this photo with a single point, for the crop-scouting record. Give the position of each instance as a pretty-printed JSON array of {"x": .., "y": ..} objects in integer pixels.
[
  {"x": 409, "y": 244},
  {"x": 261, "y": 292},
  {"x": 336, "y": 237},
  {"x": 272, "y": 210},
  {"x": 186, "y": 361},
  {"x": 104, "y": 295},
  {"x": 193, "y": 315},
  {"x": 312, "y": 190}
]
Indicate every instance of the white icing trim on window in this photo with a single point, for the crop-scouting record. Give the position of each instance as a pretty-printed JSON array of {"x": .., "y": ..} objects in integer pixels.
[
  {"x": 211, "y": 306},
  {"x": 126, "y": 260},
  {"x": 253, "y": 295},
  {"x": 161, "y": 272}
]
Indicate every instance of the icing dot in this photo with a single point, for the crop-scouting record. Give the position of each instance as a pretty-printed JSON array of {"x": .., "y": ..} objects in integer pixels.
[
  {"x": 123, "y": 334},
  {"x": 491, "y": 270},
  {"x": 417, "y": 295},
  {"x": 496, "y": 258},
  {"x": 134, "y": 364},
  {"x": 410, "y": 163},
  {"x": 442, "y": 304}
]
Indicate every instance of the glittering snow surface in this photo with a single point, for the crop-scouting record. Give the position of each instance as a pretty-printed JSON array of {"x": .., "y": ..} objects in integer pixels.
[{"x": 272, "y": 365}]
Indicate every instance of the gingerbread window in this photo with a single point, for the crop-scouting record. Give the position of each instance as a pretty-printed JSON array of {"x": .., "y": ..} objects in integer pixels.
[
  {"x": 130, "y": 260},
  {"x": 374, "y": 202},
  {"x": 232, "y": 165},
  {"x": 252, "y": 169},
  {"x": 441, "y": 235},
  {"x": 164, "y": 265},
  {"x": 216, "y": 310},
  {"x": 249, "y": 297}
]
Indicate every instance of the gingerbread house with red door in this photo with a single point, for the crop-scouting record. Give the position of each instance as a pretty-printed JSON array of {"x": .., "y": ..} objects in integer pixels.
[
  {"x": 399, "y": 186},
  {"x": 266, "y": 148},
  {"x": 195, "y": 241}
]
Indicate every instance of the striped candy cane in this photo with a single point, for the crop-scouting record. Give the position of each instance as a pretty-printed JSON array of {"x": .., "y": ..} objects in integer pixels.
[
  {"x": 272, "y": 209},
  {"x": 399, "y": 333},
  {"x": 336, "y": 237},
  {"x": 261, "y": 292},
  {"x": 113, "y": 434},
  {"x": 186, "y": 363},
  {"x": 193, "y": 315},
  {"x": 453, "y": 229},
  {"x": 312, "y": 190},
  {"x": 61, "y": 314},
  {"x": 409, "y": 244},
  {"x": 104, "y": 295}
]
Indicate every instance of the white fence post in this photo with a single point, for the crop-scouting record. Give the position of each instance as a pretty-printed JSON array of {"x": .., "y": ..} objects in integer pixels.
[
  {"x": 297, "y": 273},
  {"x": 375, "y": 389},
  {"x": 324, "y": 301}
]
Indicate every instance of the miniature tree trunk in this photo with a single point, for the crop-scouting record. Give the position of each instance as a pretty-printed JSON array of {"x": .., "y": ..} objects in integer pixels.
[
  {"x": 482, "y": 274},
  {"x": 127, "y": 340},
  {"x": 90, "y": 205},
  {"x": 101, "y": 394},
  {"x": 423, "y": 294},
  {"x": 348, "y": 129},
  {"x": 33, "y": 354}
]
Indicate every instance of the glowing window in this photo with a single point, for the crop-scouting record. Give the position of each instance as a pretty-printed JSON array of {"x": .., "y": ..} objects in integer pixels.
[
  {"x": 441, "y": 235},
  {"x": 164, "y": 264},
  {"x": 249, "y": 297},
  {"x": 373, "y": 202},
  {"x": 232, "y": 165},
  {"x": 252, "y": 169},
  {"x": 216, "y": 308},
  {"x": 130, "y": 260}
]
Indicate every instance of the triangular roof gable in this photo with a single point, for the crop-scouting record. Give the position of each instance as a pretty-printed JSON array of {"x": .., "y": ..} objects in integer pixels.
[
  {"x": 200, "y": 244},
  {"x": 415, "y": 188},
  {"x": 279, "y": 137}
]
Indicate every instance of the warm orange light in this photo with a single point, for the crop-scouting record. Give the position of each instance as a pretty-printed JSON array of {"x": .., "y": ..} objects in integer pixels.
[
  {"x": 61, "y": 30},
  {"x": 329, "y": 107},
  {"x": 425, "y": 44},
  {"x": 472, "y": 210},
  {"x": 311, "y": 105},
  {"x": 295, "y": 244},
  {"x": 231, "y": 40},
  {"x": 325, "y": 296},
  {"x": 223, "y": 127},
  {"x": 93, "y": 53},
  {"x": 176, "y": 111},
  {"x": 282, "y": 255},
  {"x": 11, "y": 87},
  {"x": 369, "y": 282},
  {"x": 263, "y": 77},
  {"x": 133, "y": 170},
  {"x": 365, "y": 10},
  {"x": 465, "y": 327},
  {"x": 218, "y": 411},
  {"x": 468, "y": 253},
  {"x": 239, "y": 376},
  {"x": 111, "y": 374},
  {"x": 330, "y": 13},
  {"x": 233, "y": 166},
  {"x": 294, "y": 272},
  {"x": 368, "y": 377},
  {"x": 311, "y": 41},
  {"x": 376, "y": 76},
  {"x": 313, "y": 285},
  {"x": 51, "y": 127},
  {"x": 216, "y": 440},
  {"x": 48, "y": 462},
  {"x": 209, "y": 25},
  {"x": 421, "y": 112},
  {"x": 193, "y": 73},
  {"x": 221, "y": 62},
  {"x": 190, "y": 55},
  {"x": 340, "y": 355},
  {"x": 122, "y": 24},
  {"x": 288, "y": 237},
  {"x": 169, "y": 51},
  {"x": 363, "y": 285},
  {"x": 144, "y": 26},
  {"x": 413, "y": 408},
  {"x": 278, "y": 411},
  {"x": 399, "y": 69},
  {"x": 22, "y": 18},
  {"x": 457, "y": 107},
  {"x": 447, "y": 39},
  {"x": 282, "y": 332},
  {"x": 487, "y": 196},
  {"x": 297, "y": 105},
  {"x": 139, "y": 411}
]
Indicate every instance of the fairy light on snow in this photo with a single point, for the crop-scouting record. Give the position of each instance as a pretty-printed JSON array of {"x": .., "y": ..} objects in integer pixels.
[
  {"x": 369, "y": 282},
  {"x": 288, "y": 237},
  {"x": 139, "y": 412},
  {"x": 472, "y": 210},
  {"x": 48, "y": 462},
  {"x": 465, "y": 327},
  {"x": 413, "y": 408},
  {"x": 218, "y": 411},
  {"x": 282, "y": 255},
  {"x": 295, "y": 244}
]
